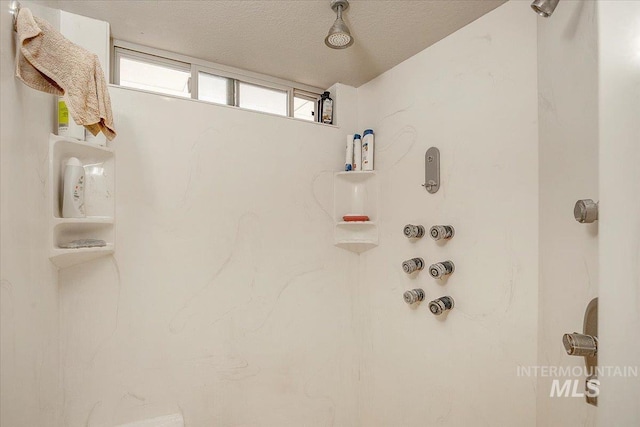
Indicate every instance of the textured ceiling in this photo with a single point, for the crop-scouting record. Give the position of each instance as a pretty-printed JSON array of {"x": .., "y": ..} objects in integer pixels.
[{"x": 286, "y": 38}]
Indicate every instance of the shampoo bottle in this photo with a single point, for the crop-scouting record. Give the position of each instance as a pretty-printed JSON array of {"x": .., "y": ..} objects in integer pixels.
[
  {"x": 367, "y": 150},
  {"x": 357, "y": 152},
  {"x": 348, "y": 162},
  {"x": 327, "y": 108},
  {"x": 73, "y": 190}
]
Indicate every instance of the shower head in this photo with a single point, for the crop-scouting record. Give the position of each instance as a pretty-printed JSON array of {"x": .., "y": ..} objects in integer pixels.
[
  {"x": 544, "y": 8},
  {"x": 339, "y": 36}
]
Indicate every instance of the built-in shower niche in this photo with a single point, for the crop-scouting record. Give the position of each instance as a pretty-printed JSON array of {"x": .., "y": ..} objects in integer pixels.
[
  {"x": 99, "y": 200},
  {"x": 355, "y": 193}
]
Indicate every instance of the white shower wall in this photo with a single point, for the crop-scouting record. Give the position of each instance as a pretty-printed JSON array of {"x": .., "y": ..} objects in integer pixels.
[
  {"x": 226, "y": 300},
  {"x": 568, "y": 111},
  {"x": 619, "y": 258},
  {"x": 30, "y": 394},
  {"x": 474, "y": 96}
]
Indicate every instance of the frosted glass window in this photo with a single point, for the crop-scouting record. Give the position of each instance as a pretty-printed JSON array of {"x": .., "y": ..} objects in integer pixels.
[
  {"x": 213, "y": 88},
  {"x": 303, "y": 108},
  {"x": 154, "y": 77},
  {"x": 260, "y": 98}
]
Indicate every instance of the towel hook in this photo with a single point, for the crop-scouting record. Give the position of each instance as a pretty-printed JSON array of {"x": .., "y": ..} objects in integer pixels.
[{"x": 14, "y": 9}]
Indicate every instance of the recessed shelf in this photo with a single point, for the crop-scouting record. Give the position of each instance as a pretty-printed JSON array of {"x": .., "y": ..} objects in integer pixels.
[
  {"x": 99, "y": 201},
  {"x": 355, "y": 193}
]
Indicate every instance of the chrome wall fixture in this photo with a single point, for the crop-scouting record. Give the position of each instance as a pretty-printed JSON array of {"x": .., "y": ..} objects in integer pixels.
[
  {"x": 544, "y": 8},
  {"x": 411, "y": 231},
  {"x": 440, "y": 305},
  {"x": 432, "y": 170},
  {"x": 14, "y": 9},
  {"x": 440, "y": 232},
  {"x": 412, "y": 265},
  {"x": 339, "y": 36},
  {"x": 586, "y": 345},
  {"x": 413, "y": 296},
  {"x": 577, "y": 344},
  {"x": 586, "y": 211},
  {"x": 441, "y": 269}
]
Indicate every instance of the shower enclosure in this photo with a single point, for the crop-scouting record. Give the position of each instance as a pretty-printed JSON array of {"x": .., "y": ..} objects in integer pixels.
[{"x": 227, "y": 302}]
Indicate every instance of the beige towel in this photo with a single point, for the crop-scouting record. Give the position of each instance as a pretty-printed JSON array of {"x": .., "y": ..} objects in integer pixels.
[{"x": 50, "y": 63}]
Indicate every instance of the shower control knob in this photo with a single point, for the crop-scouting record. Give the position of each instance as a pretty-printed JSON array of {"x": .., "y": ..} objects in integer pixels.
[
  {"x": 413, "y": 296},
  {"x": 440, "y": 305},
  {"x": 413, "y": 264},
  {"x": 441, "y": 269},
  {"x": 413, "y": 231},
  {"x": 439, "y": 232},
  {"x": 585, "y": 211},
  {"x": 580, "y": 345}
]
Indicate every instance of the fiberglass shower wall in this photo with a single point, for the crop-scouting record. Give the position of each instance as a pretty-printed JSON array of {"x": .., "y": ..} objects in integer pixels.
[
  {"x": 568, "y": 114},
  {"x": 589, "y": 68},
  {"x": 474, "y": 96},
  {"x": 619, "y": 257},
  {"x": 30, "y": 393},
  {"x": 225, "y": 300}
]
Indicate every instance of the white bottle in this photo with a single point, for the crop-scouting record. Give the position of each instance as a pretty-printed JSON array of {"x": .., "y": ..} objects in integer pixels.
[
  {"x": 73, "y": 190},
  {"x": 367, "y": 150},
  {"x": 348, "y": 161},
  {"x": 357, "y": 152}
]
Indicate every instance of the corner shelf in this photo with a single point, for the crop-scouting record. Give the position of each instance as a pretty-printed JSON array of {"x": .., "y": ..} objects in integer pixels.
[
  {"x": 99, "y": 165},
  {"x": 68, "y": 257},
  {"x": 355, "y": 193},
  {"x": 354, "y": 224},
  {"x": 86, "y": 220}
]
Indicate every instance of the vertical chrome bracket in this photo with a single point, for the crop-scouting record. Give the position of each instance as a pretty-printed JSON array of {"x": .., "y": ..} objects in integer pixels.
[
  {"x": 14, "y": 9},
  {"x": 432, "y": 170}
]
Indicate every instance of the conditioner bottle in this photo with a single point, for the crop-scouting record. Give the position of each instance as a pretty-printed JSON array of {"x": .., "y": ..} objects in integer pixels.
[
  {"x": 326, "y": 112},
  {"x": 73, "y": 190},
  {"x": 367, "y": 150}
]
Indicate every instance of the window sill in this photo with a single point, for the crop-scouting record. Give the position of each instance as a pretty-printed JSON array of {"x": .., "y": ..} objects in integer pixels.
[{"x": 221, "y": 105}]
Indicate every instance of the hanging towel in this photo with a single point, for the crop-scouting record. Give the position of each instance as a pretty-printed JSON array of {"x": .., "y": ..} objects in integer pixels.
[{"x": 48, "y": 62}]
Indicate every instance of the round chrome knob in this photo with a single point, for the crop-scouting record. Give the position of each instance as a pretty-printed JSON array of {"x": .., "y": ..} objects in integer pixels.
[
  {"x": 439, "y": 232},
  {"x": 440, "y": 305},
  {"x": 413, "y": 264},
  {"x": 585, "y": 211},
  {"x": 413, "y": 231},
  {"x": 413, "y": 296},
  {"x": 580, "y": 345},
  {"x": 441, "y": 269}
]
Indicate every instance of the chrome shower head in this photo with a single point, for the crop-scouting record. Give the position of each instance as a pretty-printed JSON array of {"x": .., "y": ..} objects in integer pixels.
[
  {"x": 339, "y": 36},
  {"x": 544, "y": 8}
]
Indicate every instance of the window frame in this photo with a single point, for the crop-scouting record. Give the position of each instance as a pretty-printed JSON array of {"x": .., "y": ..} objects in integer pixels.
[
  {"x": 238, "y": 95},
  {"x": 309, "y": 96},
  {"x": 151, "y": 59},
  {"x": 233, "y": 93},
  {"x": 195, "y": 77},
  {"x": 195, "y": 66}
]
